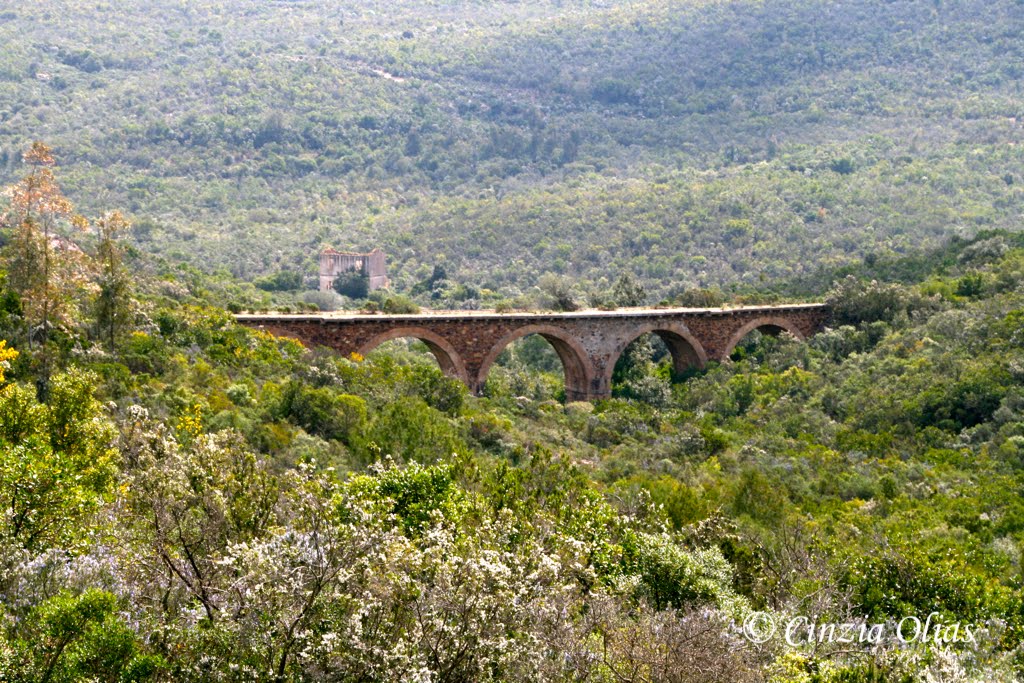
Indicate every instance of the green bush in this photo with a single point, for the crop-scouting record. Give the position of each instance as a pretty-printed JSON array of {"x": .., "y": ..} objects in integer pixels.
[
  {"x": 323, "y": 411},
  {"x": 409, "y": 430},
  {"x": 82, "y": 637},
  {"x": 673, "y": 577},
  {"x": 281, "y": 281},
  {"x": 397, "y": 304},
  {"x": 353, "y": 284},
  {"x": 855, "y": 301},
  {"x": 906, "y": 581}
]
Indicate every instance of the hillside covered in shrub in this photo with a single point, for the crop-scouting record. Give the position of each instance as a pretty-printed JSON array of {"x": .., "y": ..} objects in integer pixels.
[
  {"x": 182, "y": 498},
  {"x": 693, "y": 144}
]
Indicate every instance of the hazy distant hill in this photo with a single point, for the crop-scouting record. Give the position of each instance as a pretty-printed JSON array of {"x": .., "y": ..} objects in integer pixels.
[{"x": 691, "y": 142}]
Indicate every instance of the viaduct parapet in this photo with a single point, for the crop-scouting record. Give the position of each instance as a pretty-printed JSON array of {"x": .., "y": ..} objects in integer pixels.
[{"x": 466, "y": 343}]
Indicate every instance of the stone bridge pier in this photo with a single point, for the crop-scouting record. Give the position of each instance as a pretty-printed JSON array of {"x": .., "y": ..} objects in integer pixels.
[{"x": 467, "y": 343}]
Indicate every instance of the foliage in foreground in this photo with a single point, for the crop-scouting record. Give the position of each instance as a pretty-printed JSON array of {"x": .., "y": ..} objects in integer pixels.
[{"x": 193, "y": 500}]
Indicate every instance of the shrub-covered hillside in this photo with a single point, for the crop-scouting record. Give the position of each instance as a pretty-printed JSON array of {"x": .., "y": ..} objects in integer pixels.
[
  {"x": 693, "y": 143},
  {"x": 182, "y": 498}
]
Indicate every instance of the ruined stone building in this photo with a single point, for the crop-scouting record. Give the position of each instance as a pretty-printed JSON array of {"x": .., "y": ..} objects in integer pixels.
[{"x": 333, "y": 263}]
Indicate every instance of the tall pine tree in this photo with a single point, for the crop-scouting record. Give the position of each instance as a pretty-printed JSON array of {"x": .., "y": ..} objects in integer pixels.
[
  {"x": 44, "y": 267},
  {"x": 113, "y": 303}
]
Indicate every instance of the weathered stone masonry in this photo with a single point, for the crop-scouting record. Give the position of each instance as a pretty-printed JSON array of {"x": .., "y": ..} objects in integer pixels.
[{"x": 589, "y": 343}]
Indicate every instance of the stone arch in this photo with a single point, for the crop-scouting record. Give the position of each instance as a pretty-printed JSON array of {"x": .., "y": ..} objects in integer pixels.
[
  {"x": 447, "y": 357},
  {"x": 687, "y": 351},
  {"x": 576, "y": 362},
  {"x": 773, "y": 325}
]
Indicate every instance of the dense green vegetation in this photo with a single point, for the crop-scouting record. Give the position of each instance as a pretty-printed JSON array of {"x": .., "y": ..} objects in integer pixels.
[
  {"x": 185, "y": 499},
  {"x": 693, "y": 143},
  {"x": 182, "y": 498}
]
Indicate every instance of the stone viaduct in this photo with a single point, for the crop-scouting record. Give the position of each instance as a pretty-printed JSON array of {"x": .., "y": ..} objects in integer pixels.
[{"x": 466, "y": 343}]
